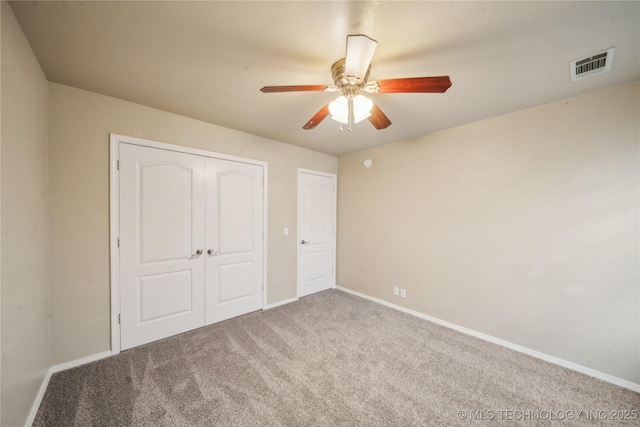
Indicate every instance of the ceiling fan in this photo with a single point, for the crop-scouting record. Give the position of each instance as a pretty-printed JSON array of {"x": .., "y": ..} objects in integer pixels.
[{"x": 351, "y": 77}]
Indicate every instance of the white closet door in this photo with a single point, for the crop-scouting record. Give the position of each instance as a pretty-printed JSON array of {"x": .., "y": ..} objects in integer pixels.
[
  {"x": 161, "y": 229},
  {"x": 234, "y": 227}
]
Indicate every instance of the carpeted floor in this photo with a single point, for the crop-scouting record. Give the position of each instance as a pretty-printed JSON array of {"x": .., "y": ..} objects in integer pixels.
[{"x": 330, "y": 359}]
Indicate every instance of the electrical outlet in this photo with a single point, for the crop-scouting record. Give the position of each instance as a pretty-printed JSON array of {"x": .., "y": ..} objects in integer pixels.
[
  {"x": 403, "y": 293},
  {"x": 396, "y": 290}
]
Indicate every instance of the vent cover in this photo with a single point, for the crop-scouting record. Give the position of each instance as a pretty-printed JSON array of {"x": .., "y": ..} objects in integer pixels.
[{"x": 595, "y": 64}]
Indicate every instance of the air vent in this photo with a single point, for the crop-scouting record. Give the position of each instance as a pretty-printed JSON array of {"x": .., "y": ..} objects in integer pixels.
[{"x": 595, "y": 64}]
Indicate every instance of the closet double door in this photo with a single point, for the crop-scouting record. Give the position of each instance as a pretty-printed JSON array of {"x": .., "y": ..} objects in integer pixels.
[{"x": 191, "y": 241}]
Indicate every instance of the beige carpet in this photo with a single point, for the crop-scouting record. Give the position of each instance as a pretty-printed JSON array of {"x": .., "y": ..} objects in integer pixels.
[{"x": 330, "y": 359}]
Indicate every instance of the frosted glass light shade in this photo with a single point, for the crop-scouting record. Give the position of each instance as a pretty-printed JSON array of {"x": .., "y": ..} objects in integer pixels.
[
  {"x": 361, "y": 108},
  {"x": 339, "y": 109}
]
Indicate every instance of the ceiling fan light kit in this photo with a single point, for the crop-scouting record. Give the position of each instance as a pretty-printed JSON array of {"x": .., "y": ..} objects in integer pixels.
[
  {"x": 350, "y": 75},
  {"x": 353, "y": 109},
  {"x": 350, "y": 107}
]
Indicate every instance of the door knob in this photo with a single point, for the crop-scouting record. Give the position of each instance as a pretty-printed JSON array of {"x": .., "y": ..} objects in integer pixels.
[
  {"x": 304, "y": 242},
  {"x": 199, "y": 252},
  {"x": 211, "y": 252}
]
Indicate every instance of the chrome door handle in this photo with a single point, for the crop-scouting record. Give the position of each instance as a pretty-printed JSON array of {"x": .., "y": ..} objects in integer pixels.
[
  {"x": 304, "y": 242},
  {"x": 198, "y": 252},
  {"x": 211, "y": 252}
]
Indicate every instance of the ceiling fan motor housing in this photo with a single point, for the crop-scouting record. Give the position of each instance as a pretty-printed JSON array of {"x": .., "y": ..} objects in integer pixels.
[{"x": 350, "y": 85}]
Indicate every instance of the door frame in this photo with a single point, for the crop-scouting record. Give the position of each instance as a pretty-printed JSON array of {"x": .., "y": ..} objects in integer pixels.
[
  {"x": 335, "y": 225},
  {"x": 114, "y": 218}
]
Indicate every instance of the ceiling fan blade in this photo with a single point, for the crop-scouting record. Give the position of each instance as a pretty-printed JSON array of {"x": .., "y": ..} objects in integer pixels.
[
  {"x": 378, "y": 119},
  {"x": 360, "y": 50},
  {"x": 317, "y": 118},
  {"x": 415, "y": 84},
  {"x": 300, "y": 88}
]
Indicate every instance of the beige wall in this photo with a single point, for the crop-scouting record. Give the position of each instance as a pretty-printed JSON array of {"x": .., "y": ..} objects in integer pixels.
[
  {"x": 80, "y": 123},
  {"x": 25, "y": 225},
  {"x": 524, "y": 227}
]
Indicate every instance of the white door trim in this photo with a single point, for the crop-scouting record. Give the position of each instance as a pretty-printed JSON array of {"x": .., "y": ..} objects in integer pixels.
[
  {"x": 114, "y": 233},
  {"x": 114, "y": 218},
  {"x": 298, "y": 237}
]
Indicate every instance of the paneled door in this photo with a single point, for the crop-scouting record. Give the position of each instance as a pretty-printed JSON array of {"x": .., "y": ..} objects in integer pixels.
[
  {"x": 162, "y": 239},
  {"x": 191, "y": 249},
  {"x": 234, "y": 229},
  {"x": 316, "y": 232}
]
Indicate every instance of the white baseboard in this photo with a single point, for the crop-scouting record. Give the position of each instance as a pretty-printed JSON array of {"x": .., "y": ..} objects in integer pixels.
[
  {"x": 279, "y": 303},
  {"x": 38, "y": 399},
  {"x": 287, "y": 301},
  {"x": 79, "y": 362},
  {"x": 548, "y": 358},
  {"x": 58, "y": 368}
]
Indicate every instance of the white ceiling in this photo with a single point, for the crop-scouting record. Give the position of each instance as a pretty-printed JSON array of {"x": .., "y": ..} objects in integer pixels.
[{"x": 208, "y": 60}]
